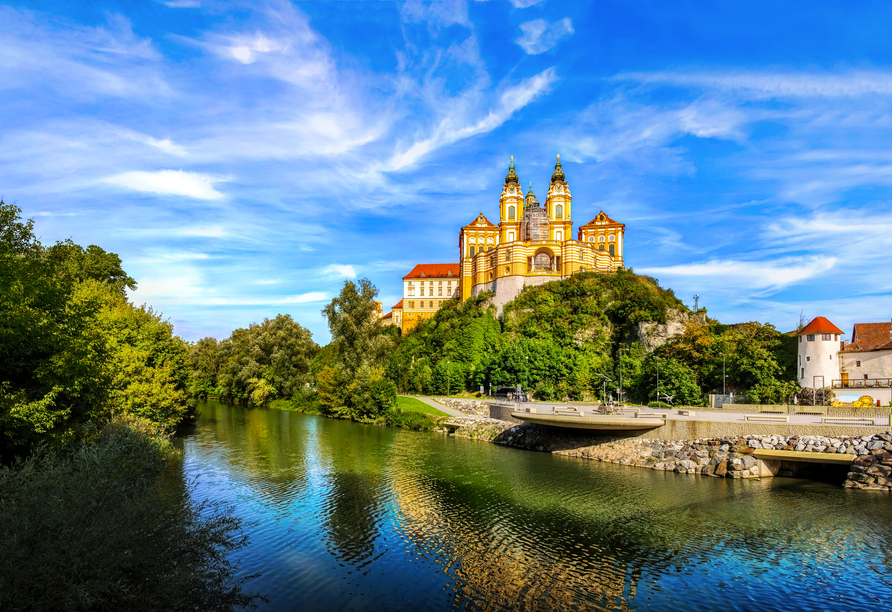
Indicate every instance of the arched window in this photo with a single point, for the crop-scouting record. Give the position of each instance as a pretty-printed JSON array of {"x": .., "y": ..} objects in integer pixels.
[
  {"x": 489, "y": 248},
  {"x": 472, "y": 250},
  {"x": 559, "y": 235},
  {"x": 507, "y": 270},
  {"x": 559, "y": 211},
  {"x": 510, "y": 236},
  {"x": 612, "y": 253},
  {"x": 591, "y": 238},
  {"x": 511, "y": 212},
  {"x": 601, "y": 247}
]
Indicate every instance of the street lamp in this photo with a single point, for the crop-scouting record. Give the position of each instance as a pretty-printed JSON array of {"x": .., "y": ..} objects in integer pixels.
[
  {"x": 621, "y": 351},
  {"x": 658, "y": 378},
  {"x": 604, "y": 380}
]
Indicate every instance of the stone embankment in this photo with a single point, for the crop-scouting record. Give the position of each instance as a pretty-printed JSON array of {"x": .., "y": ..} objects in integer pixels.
[
  {"x": 873, "y": 469},
  {"x": 471, "y": 407}
]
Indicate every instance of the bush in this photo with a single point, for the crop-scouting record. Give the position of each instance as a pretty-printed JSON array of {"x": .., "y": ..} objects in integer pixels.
[
  {"x": 411, "y": 420},
  {"x": 658, "y": 405},
  {"x": 105, "y": 524}
]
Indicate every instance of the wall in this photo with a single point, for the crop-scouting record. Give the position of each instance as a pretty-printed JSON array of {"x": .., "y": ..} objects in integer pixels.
[
  {"x": 818, "y": 358},
  {"x": 876, "y": 364}
]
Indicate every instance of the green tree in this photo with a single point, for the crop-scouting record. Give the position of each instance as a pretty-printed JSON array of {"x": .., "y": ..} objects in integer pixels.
[
  {"x": 92, "y": 263},
  {"x": 356, "y": 334},
  {"x": 53, "y": 358}
]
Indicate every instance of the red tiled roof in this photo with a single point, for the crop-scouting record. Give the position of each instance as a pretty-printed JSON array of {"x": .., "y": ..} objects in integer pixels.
[
  {"x": 480, "y": 220},
  {"x": 388, "y": 315},
  {"x": 434, "y": 271},
  {"x": 870, "y": 337},
  {"x": 820, "y": 325},
  {"x": 397, "y": 305}
]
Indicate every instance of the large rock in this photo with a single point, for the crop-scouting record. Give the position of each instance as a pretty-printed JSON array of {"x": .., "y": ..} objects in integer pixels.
[
  {"x": 653, "y": 335},
  {"x": 721, "y": 469}
]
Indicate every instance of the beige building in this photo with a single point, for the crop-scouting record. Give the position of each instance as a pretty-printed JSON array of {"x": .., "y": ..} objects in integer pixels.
[
  {"x": 532, "y": 243},
  {"x": 425, "y": 289}
]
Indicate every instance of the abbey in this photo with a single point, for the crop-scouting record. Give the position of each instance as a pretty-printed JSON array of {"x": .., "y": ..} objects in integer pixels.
[{"x": 532, "y": 244}]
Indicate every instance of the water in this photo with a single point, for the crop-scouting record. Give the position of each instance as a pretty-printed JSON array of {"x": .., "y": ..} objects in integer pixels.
[{"x": 356, "y": 517}]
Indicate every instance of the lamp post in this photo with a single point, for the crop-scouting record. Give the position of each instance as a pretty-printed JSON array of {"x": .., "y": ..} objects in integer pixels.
[
  {"x": 658, "y": 378},
  {"x": 604, "y": 380},
  {"x": 621, "y": 398}
]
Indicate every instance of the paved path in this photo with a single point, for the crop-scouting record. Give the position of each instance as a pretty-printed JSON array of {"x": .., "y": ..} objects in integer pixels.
[
  {"x": 702, "y": 415},
  {"x": 438, "y": 406}
]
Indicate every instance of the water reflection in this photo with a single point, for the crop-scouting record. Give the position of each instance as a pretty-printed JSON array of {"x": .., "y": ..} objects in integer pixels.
[{"x": 353, "y": 516}]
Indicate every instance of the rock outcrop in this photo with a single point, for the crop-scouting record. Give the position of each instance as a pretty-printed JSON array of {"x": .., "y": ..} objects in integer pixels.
[{"x": 653, "y": 335}]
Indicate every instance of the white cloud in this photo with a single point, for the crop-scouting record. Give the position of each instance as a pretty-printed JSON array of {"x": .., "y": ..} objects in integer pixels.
[
  {"x": 271, "y": 281},
  {"x": 173, "y": 182},
  {"x": 540, "y": 36},
  {"x": 458, "y": 125},
  {"x": 185, "y": 256},
  {"x": 524, "y": 3},
  {"x": 204, "y": 232},
  {"x": 181, "y": 3},
  {"x": 314, "y": 296},
  {"x": 340, "y": 271},
  {"x": 751, "y": 275},
  {"x": 775, "y": 84}
]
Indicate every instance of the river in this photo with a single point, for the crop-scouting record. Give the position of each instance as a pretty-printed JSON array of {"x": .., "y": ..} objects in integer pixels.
[{"x": 356, "y": 517}]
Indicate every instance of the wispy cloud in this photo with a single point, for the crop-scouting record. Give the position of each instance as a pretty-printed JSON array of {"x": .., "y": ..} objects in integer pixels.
[
  {"x": 750, "y": 275},
  {"x": 465, "y": 119},
  {"x": 539, "y": 36},
  {"x": 762, "y": 84},
  {"x": 170, "y": 182},
  {"x": 340, "y": 271}
]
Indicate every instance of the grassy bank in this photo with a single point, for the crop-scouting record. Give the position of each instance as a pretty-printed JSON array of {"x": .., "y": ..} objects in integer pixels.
[{"x": 409, "y": 413}]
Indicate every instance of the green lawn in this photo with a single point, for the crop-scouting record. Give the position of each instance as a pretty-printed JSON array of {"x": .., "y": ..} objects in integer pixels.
[{"x": 413, "y": 405}]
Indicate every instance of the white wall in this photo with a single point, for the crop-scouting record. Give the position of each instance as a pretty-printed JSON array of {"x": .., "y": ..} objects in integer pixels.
[{"x": 817, "y": 358}]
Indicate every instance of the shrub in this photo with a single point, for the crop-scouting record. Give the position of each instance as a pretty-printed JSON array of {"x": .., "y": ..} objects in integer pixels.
[
  {"x": 105, "y": 524},
  {"x": 411, "y": 420},
  {"x": 658, "y": 405}
]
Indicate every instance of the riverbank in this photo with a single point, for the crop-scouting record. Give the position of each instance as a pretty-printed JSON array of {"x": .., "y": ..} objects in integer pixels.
[{"x": 730, "y": 456}]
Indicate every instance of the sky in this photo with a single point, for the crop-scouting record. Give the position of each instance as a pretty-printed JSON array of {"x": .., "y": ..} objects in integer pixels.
[{"x": 245, "y": 158}]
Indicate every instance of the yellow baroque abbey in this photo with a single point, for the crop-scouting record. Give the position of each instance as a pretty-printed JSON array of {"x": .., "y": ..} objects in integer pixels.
[{"x": 531, "y": 245}]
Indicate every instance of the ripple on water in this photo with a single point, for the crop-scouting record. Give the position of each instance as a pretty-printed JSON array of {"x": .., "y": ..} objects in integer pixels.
[{"x": 352, "y": 516}]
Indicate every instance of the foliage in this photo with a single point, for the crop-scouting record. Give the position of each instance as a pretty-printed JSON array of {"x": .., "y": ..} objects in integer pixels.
[
  {"x": 357, "y": 338},
  {"x": 410, "y": 419},
  {"x": 92, "y": 263},
  {"x": 103, "y": 524},
  {"x": 277, "y": 351},
  {"x": 148, "y": 362},
  {"x": 71, "y": 347},
  {"x": 676, "y": 380},
  {"x": 658, "y": 405}
]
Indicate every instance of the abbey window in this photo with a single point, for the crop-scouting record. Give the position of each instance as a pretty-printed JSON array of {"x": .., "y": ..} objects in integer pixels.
[
  {"x": 559, "y": 211},
  {"x": 511, "y": 213}
]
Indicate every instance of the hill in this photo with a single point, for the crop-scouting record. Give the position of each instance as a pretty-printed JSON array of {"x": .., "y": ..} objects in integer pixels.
[{"x": 556, "y": 339}]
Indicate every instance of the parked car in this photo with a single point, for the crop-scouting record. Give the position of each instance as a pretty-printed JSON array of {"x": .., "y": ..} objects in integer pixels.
[{"x": 510, "y": 394}]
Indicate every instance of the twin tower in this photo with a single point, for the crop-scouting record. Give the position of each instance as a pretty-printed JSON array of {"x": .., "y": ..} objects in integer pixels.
[{"x": 531, "y": 245}]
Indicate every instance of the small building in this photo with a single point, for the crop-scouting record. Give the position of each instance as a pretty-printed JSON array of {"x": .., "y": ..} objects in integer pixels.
[
  {"x": 819, "y": 344},
  {"x": 425, "y": 289},
  {"x": 866, "y": 362}
]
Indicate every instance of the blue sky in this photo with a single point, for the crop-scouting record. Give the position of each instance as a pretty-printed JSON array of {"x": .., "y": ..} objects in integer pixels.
[{"x": 244, "y": 158}]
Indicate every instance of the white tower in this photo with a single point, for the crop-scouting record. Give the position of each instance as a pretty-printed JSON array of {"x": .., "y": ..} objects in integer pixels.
[{"x": 818, "y": 362}]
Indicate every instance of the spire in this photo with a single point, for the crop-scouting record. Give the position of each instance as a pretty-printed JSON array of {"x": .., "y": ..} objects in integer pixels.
[
  {"x": 558, "y": 173},
  {"x": 512, "y": 176}
]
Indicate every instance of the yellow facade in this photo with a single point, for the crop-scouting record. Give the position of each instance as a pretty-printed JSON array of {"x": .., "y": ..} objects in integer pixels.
[
  {"x": 425, "y": 289},
  {"x": 534, "y": 242}
]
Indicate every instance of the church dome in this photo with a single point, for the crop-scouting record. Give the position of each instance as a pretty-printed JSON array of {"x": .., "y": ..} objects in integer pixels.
[
  {"x": 512, "y": 176},
  {"x": 558, "y": 172}
]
